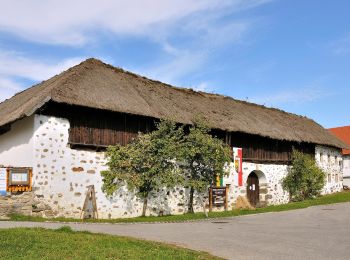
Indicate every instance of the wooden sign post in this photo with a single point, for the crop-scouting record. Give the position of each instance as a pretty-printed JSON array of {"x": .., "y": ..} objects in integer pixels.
[{"x": 218, "y": 196}]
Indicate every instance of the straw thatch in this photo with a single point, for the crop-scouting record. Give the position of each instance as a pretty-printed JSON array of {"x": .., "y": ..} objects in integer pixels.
[{"x": 98, "y": 85}]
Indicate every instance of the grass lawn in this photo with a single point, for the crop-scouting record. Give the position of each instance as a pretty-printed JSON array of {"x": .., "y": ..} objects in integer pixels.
[
  {"x": 322, "y": 200},
  {"x": 63, "y": 243}
]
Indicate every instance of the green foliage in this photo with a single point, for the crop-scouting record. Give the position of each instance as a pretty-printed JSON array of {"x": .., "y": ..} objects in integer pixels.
[
  {"x": 204, "y": 158},
  {"x": 146, "y": 164},
  {"x": 305, "y": 179},
  {"x": 167, "y": 157}
]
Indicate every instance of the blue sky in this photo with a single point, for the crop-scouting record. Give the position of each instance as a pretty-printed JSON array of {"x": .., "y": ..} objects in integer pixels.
[{"x": 293, "y": 55}]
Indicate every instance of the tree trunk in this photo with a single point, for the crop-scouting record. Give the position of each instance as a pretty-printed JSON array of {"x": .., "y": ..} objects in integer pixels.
[
  {"x": 145, "y": 202},
  {"x": 190, "y": 204}
]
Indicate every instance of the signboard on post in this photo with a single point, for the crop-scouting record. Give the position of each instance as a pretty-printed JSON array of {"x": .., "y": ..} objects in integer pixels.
[
  {"x": 3, "y": 181},
  {"x": 19, "y": 179},
  {"x": 218, "y": 197}
]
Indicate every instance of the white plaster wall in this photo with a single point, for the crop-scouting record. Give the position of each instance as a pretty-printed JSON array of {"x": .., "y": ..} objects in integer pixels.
[
  {"x": 330, "y": 161},
  {"x": 16, "y": 146}
]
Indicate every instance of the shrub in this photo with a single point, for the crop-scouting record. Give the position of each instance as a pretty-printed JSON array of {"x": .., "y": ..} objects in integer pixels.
[{"x": 304, "y": 179}]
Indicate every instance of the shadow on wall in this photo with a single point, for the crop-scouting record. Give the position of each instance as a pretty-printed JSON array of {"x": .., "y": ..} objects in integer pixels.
[{"x": 16, "y": 146}]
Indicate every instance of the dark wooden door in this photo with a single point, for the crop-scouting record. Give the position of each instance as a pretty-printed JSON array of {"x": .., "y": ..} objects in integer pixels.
[{"x": 253, "y": 189}]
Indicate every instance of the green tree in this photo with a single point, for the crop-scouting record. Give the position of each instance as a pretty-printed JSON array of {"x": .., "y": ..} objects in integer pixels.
[
  {"x": 146, "y": 164},
  {"x": 304, "y": 179},
  {"x": 204, "y": 157}
]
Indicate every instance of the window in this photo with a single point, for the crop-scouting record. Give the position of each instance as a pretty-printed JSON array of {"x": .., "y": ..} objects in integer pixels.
[
  {"x": 321, "y": 157},
  {"x": 329, "y": 159},
  {"x": 336, "y": 178},
  {"x": 329, "y": 178}
]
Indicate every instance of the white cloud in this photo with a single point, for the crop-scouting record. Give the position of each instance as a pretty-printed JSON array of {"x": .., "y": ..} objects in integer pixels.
[
  {"x": 14, "y": 65},
  {"x": 197, "y": 23},
  {"x": 294, "y": 96},
  {"x": 207, "y": 35},
  {"x": 71, "y": 22},
  {"x": 8, "y": 87}
]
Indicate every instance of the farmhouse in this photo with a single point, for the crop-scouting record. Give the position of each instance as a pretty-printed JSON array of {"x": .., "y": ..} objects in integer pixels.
[
  {"x": 343, "y": 133},
  {"x": 54, "y": 134}
]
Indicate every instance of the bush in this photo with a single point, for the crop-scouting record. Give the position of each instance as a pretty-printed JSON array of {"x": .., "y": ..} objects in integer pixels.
[{"x": 305, "y": 179}]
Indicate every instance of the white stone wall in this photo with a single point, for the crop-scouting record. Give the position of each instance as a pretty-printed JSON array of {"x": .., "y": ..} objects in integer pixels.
[
  {"x": 330, "y": 160},
  {"x": 270, "y": 179},
  {"x": 16, "y": 146},
  {"x": 61, "y": 176},
  {"x": 346, "y": 170}
]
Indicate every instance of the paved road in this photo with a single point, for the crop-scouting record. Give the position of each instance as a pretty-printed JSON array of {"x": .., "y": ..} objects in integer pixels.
[{"x": 321, "y": 232}]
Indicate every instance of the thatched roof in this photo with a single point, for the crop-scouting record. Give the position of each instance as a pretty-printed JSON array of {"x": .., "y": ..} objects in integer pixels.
[{"x": 98, "y": 85}]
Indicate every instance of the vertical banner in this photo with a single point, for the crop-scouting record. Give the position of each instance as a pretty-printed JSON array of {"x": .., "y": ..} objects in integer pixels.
[
  {"x": 238, "y": 160},
  {"x": 3, "y": 178}
]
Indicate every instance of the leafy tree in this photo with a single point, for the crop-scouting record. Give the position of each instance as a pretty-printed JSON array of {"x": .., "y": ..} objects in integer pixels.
[
  {"x": 304, "y": 179},
  {"x": 146, "y": 164},
  {"x": 204, "y": 158}
]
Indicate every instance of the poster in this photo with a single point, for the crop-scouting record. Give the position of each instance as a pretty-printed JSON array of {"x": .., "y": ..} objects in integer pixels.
[
  {"x": 3, "y": 181},
  {"x": 238, "y": 160}
]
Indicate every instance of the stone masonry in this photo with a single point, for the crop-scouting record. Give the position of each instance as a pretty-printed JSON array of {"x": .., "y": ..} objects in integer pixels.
[{"x": 61, "y": 176}]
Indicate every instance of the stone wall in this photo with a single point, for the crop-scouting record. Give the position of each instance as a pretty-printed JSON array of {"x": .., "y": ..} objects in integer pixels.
[
  {"x": 61, "y": 176},
  {"x": 330, "y": 160},
  {"x": 20, "y": 203},
  {"x": 270, "y": 179},
  {"x": 346, "y": 170}
]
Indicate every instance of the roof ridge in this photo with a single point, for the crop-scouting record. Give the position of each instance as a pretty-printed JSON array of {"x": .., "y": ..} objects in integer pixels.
[
  {"x": 93, "y": 83},
  {"x": 186, "y": 89}
]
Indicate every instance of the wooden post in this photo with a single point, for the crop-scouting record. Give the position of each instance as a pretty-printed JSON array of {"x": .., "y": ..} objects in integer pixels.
[
  {"x": 90, "y": 204},
  {"x": 210, "y": 199},
  {"x": 226, "y": 196}
]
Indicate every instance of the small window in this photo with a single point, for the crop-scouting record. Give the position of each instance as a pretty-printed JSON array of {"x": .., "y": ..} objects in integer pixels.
[
  {"x": 321, "y": 157},
  {"x": 336, "y": 178},
  {"x": 329, "y": 178},
  {"x": 329, "y": 159}
]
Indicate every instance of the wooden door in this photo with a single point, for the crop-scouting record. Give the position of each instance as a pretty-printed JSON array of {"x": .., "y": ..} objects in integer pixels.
[{"x": 253, "y": 189}]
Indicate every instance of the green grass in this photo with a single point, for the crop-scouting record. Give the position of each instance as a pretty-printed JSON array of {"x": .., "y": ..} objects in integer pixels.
[
  {"x": 322, "y": 200},
  {"x": 63, "y": 243}
]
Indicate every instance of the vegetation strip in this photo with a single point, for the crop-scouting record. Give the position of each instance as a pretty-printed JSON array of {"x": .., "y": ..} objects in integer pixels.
[
  {"x": 63, "y": 243},
  {"x": 322, "y": 200}
]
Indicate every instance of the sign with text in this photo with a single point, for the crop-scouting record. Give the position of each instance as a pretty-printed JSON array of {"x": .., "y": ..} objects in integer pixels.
[
  {"x": 218, "y": 196},
  {"x": 19, "y": 176},
  {"x": 3, "y": 184},
  {"x": 19, "y": 179}
]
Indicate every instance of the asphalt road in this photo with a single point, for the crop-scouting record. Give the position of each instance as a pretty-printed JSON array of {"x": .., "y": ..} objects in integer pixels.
[{"x": 321, "y": 232}]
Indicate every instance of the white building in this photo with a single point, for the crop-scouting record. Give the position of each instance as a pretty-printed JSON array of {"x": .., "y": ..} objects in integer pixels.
[
  {"x": 343, "y": 133},
  {"x": 61, "y": 127}
]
